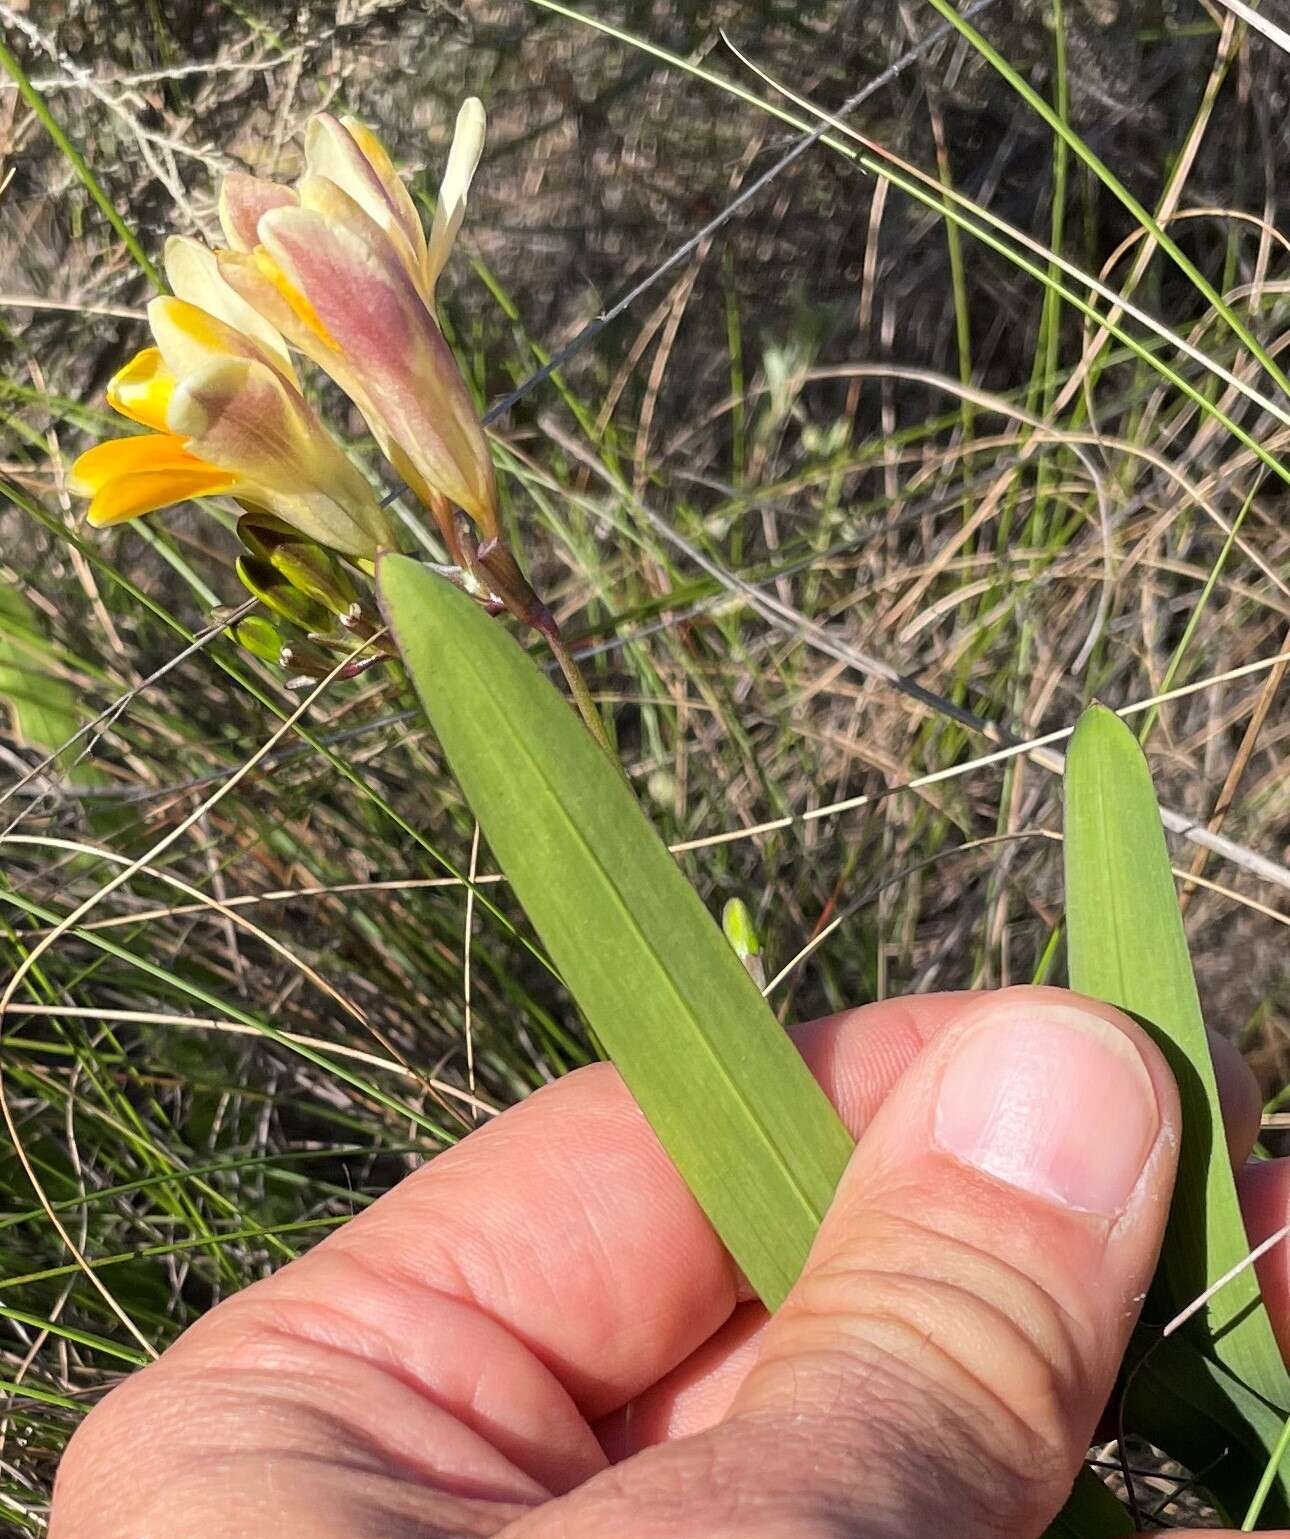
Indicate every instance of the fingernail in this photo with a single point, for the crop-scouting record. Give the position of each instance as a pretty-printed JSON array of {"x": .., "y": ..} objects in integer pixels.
[{"x": 1058, "y": 1103}]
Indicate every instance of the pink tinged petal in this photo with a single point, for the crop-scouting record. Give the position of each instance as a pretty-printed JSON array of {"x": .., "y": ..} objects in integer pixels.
[
  {"x": 257, "y": 279},
  {"x": 242, "y": 199},
  {"x": 332, "y": 152},
  {"x": 240, "y": 416},
  {"x": 463, "y": 157},
  {"x": 246, "y": 275},
  {"x": 188, "y": 336},
  {"x": 393, "y": 360},
  {"x": 194, "y": 275},
  {"x": 378, "y": 158}
]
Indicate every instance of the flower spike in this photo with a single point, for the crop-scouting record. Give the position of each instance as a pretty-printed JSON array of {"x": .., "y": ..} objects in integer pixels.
[{"x": 226, "y": 417}]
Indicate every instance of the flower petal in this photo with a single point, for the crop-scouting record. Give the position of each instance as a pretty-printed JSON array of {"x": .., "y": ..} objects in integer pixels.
[
  {"x": 142, "y": 389},
  {"x": 259, "y": 280},
  {"x": 463, "y": 157},
  {"x": 332, "y": 151},
  {"x": 240, "y": 415},
  {"x": 390, "y": 356},
  {"x": 378, "y": 158},
  {"x": 145, "y": 492},
  {"x": 188, "y": 336},
  {"x": 119, "y": 457},
  {"x": 242, "y": 199},
  {"x": 195, "y": 277}
]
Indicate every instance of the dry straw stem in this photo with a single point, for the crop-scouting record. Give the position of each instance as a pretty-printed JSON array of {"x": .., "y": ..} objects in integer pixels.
[{"x": 800, "y": 627}]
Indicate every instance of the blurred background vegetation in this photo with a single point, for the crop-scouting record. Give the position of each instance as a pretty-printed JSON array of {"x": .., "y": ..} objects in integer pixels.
[{"x": 844, "y": 500}]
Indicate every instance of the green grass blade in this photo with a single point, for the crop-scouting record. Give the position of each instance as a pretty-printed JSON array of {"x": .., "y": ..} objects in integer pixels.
[
  {"x": 722, "y": 1085},
  {"x": 1126, "y": 945},
  {"x": 70, "y": 1333},
  {"x": 1257, "y": 1501},
  {"x": 11, "y": 63},
  {"x": 1108, "y": 178}
]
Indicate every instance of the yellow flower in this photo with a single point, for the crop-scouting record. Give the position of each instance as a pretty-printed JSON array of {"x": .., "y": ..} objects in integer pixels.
[
  {"x": 343, "y": 270},
  {"x": 220, "y": 396}
]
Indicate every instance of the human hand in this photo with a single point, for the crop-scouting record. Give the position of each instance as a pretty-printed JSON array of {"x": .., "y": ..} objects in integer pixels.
[{"x": 539, "y": 1336}]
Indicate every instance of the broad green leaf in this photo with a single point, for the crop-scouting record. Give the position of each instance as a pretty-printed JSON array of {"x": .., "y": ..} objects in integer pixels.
[
  {"x": 723, "y": 1086},
  {"x": 1127, "y": 946}
]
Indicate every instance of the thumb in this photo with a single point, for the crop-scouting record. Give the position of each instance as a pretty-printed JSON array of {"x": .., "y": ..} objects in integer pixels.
[
  {"x": 943, "y": 1359},
  {"x": 965, "y": 1308}
]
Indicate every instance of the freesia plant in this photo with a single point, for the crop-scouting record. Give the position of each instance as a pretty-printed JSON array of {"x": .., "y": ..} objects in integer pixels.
[{"x": 338, "y": 270}]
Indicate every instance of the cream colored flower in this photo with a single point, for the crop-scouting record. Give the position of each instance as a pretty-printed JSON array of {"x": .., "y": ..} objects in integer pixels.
[
  {"x": 220, "y": 396},
  {"x": 341, "y": 267}
]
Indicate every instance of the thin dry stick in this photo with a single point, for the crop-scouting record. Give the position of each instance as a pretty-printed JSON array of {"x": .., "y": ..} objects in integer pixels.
[
  {"x": 109, "y": 713},
  {"x": 1236, "y": 772},
  {"x": 279, "y": 895},
  {"x": 35, "y": 302},
  {"x": 1036, "y": 748},
  {"x": 1198, "y": 1303},
  {"x": 1260, "y": 23},
  {"x": 222, "y": 907}
]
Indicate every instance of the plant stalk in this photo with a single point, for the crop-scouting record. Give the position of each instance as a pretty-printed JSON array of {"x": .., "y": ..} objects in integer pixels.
[{"x": 582, "y": 697}]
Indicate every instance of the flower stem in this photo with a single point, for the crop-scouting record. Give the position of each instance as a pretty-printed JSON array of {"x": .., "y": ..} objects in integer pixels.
[{"x": 582, "y": 697}]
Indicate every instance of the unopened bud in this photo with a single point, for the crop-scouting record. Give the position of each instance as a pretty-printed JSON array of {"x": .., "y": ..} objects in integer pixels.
[
  {"x": 261, "y": 532},
  {"x": 737, "y": 923},
  {"x": 310, "y": 570},
  {"x": 277, "y": 594},
  {"x": 305, "y": 659},
  {"x": 260, "y": 637}
]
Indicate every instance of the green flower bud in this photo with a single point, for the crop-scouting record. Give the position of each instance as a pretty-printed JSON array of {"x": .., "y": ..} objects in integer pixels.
[
  {"x": 277, "y": 594},
  {"x": 261, "y": 532},
  {"x": 737, "y": 924},
  {"x": 260, "y": 637},
  {"x": 311, "y": 571}
]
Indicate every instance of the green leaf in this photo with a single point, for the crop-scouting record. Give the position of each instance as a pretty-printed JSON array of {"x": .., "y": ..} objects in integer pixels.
[
  {"x": 1190, "y": 1405},
  {"x": 41, "y": 706},
  {"x": 1091, "y": 1512},
  {"x": 723, "y": 1086},
  {"x": 1127, "y": 946}
]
